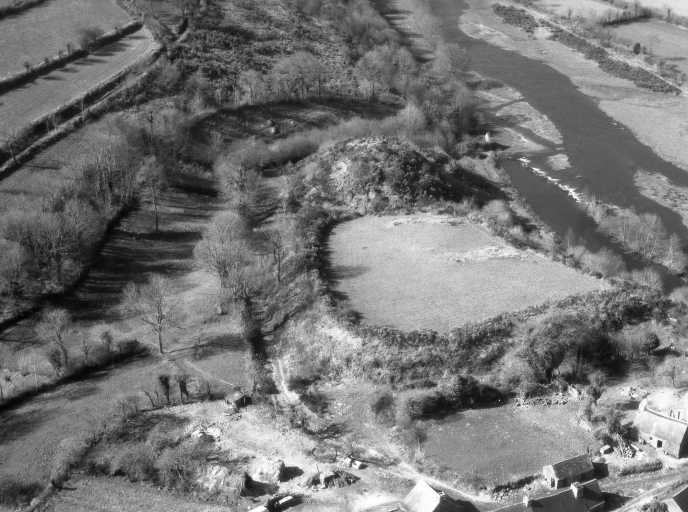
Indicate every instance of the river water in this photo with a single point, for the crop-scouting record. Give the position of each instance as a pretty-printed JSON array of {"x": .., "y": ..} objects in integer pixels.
[{"x": 604, "y": 155}]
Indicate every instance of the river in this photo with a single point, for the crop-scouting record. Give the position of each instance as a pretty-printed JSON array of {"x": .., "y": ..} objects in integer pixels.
[{"x": 604, "y": 155}]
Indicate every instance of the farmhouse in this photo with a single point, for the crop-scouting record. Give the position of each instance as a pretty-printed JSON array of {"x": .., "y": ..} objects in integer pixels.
[
  {"x": 679, "y": 501},
  {"x": 564, "y": 473},
  {"x": 424, "y": 498},
  {"x": 580, "y": 497},
  {"x": 662, "y": 431}
]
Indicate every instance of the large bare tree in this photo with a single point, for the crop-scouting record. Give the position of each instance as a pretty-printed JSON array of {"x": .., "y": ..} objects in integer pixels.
[{"x": 153, "y": 304}]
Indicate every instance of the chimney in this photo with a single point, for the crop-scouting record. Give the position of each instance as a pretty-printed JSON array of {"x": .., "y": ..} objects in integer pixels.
[
  {"x": 442, "y": 496},
  {"x": 526, "y": 501},
  {"x": 577, "y": 490}
]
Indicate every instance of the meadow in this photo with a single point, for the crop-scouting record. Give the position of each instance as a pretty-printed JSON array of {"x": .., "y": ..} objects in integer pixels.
[
  {"x": 587, "y": 8},
  {"x": 425, "y": 273},
  {"x": 47, "y": 93},
  {"x": 43, "y": 30},
  {"x": 499, "y": 444},
  {"x": 666, "y": 41}
]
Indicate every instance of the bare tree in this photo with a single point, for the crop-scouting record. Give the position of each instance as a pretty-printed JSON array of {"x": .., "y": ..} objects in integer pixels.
[
  {"x": 54, "y": 328},
  {"x": 11, "y": 137},
  {"x": 13, "y": 259},
  {"x": 153, "y": 179},
  {"x": 89, "y": 36},
  {"x": 671, "y": 372},
  {"x": 154, "y": 305},
  {"x": 223, "y": 252},
  {"x": 28, "y": 363}
]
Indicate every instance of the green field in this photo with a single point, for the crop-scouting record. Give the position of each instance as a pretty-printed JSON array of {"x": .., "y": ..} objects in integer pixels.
[{"x": 422, "y": 272}]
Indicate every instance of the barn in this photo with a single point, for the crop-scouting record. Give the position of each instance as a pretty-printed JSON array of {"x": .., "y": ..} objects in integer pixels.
[
  {"x": 580, "y": 497},
  {"x": 662, "y": 432},
  {"x": 424, "y": 498},
  {"x": 679, "y": 501},
  {"x": 564, "y": 473}
]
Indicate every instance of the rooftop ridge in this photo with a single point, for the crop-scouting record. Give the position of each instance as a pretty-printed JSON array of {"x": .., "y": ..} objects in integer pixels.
[{"x": 661, "y": 415}]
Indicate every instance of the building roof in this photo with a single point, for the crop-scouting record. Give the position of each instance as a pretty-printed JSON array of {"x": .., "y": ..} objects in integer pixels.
[
  {"x": 236, "y": 395},
  {"x": 563, "y": 501},
  {"x": 571, "y": 467},
  {"x": 681, "y": 498},
  {"x": 660, "y": 426},
  {"x": 424, "y": 498}
]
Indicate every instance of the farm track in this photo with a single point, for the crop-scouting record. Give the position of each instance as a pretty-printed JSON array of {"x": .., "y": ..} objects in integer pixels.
[{"x": 47, "y": 93}]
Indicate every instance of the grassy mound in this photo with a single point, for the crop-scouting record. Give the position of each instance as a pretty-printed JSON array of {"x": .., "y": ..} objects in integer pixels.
[{"x": 377, "y": 173}]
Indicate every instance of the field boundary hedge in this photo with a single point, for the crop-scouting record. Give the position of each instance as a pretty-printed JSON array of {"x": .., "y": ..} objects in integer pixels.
[
  {"x": 16, "y": 8},
  {"x": 639, "y": 76},
  {"x": 13, "y": 81},
  {"x": 75, "y": 118}
]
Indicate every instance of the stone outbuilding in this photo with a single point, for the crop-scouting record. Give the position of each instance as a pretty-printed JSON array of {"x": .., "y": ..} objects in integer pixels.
[
  {"x": 580, "y": 497},
  {"x": 679, "y": 501},
  {"x": 424, "y": 498},
  {"x": 237, "y": 399},
  {"x": 662, "y": 431},
  {"x": 564, "y": 473}
]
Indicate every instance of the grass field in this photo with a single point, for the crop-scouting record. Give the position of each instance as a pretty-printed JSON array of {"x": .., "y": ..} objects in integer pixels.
[
  {"x": 502, "y": 443},
  {"x": 668, "y": 42},
  {"x": 586, "y": 8},
  {"x": 429, "y": 274},
  {"x": 44, "y": 29},
  {"x": 35, "y": 99}
]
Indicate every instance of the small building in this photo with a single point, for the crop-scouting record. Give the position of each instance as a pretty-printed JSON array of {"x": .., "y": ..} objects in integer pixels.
[
  {"x": 424, "y": 498},
  {"x": 564, "y": 473},
  {"x": 237, "y": 399},
  {"x": 662, "y": 431},
  {"x": 580, "y": 497},
  {"x": 679, "y": 501}
]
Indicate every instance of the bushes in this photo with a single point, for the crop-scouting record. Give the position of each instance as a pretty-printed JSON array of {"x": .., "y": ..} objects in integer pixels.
[
  {"x": 69, "y": 453},
  {"x": 382, "y": 406},
  {"x": 138, "y": 463},
  {"x": 640, "y": 467},
  {"x": 517, "y": 17}
]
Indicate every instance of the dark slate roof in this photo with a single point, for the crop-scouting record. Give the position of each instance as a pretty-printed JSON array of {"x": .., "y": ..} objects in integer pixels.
[
  {"x": 574, "y": 466},
  {"x": 681, "y": 498},
  {"x": 562, "y": 501},
  {"x": 657, "y": 425},
  {"x": 424, "y": 498}
]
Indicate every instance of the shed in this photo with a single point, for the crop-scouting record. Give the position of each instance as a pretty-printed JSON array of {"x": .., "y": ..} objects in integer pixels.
[
  {"x": 237, "y": 399},
  {"x": 679, "y": 501},
  {"x": 564, "y": 473},
  {"x": 424, "y": 498},
  {"x": 580, "y": 497},
  {"x": 662, "y": 432}
]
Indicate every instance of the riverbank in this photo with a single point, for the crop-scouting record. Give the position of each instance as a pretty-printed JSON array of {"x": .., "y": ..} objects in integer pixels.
[{"x": 658, "y": 121}]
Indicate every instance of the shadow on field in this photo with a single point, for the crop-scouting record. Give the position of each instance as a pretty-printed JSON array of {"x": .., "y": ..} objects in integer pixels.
[{"x": 15, "y": 424}]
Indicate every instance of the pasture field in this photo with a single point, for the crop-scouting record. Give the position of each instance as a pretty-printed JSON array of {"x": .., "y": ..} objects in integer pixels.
[
  {"x": 44, "y": 29},
  {"x": 422, "y": 272},
  {"x": 503, "y": 443},
  {"x": 21, "y": 106},
  {"x": 595, "y": 8},
  {"x": 667, "y": 41}
]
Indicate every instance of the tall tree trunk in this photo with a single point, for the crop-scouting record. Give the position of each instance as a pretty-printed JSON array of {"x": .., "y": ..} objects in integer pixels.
[{"x": 160, "y": 341}]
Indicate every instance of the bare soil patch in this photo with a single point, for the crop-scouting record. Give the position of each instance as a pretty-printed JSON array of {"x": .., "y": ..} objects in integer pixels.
[
  {"x": 44, "y": 29},
  {"x": 417, "y": 272},
  {"x": 23, "y": 105}
]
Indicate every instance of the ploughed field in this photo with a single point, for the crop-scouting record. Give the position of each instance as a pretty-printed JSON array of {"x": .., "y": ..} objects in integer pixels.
[
  {"x": 422, "y": 272},
  {"x": 42, "y": 30}
]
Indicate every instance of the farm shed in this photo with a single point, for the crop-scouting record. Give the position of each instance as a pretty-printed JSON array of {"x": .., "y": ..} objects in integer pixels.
[
  {"x": 564, "y": 473},
  {"x": 661, "y": 431},
  {"x": 424, "y": 498},
  {"x": 679, "y": 501},
  {"x": 580, "y": 497},
  {"x": 237, "y": 399}
]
